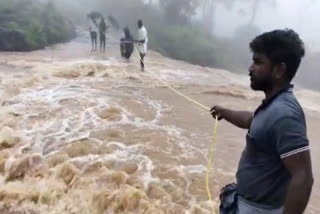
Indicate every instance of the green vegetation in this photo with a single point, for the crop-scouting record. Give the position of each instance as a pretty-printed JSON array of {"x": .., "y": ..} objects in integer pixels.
[
  {"x": 28, "y": 25},
  {"x": 192, "y": 44}
]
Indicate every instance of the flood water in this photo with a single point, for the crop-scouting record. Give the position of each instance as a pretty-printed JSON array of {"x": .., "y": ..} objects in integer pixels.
[{"x": 84, "y": 132}]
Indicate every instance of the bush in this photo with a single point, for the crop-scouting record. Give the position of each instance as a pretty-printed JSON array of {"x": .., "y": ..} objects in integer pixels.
[
  {"x": 182, "y": 43},
  {"x": 35, "y": 37},
  {"x": 28, "y": 25}
]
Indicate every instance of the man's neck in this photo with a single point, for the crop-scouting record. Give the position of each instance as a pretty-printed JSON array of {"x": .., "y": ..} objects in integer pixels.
[{"x": 269, "y": 93}]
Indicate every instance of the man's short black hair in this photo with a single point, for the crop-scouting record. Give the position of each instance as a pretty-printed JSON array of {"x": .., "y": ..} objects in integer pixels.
[
  {"x": 140, "y": 22},
  {"x": 281, "y": 46}
]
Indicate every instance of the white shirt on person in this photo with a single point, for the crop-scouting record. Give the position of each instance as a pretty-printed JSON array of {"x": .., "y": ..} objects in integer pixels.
[
  {"x": 142, "y": 35},
  {"x": 93, "y": 26}
]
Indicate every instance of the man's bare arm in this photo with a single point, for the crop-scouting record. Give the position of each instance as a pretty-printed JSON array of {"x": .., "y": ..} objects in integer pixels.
[
  {"x": 299, "y": 166},
  {"x": 241, "y": 119}
]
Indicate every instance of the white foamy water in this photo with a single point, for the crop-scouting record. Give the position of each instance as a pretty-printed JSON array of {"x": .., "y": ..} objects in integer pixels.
[{"x": 89, "y": 133}]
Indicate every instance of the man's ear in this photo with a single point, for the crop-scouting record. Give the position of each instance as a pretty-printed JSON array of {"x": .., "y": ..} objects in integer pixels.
[{"x": 279, "y": 70}]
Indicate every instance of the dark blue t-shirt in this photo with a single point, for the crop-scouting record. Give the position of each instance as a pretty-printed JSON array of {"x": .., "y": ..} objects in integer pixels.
[{"x": 277, "y": 131}]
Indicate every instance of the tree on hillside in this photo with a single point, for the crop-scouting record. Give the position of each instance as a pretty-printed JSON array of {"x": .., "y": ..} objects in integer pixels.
[
  {"x": 208, "y": 8},
  {"x": 179, "y": 11},
  {"x": 255, "y": 8},
  {"x": 29, "y": 24}
]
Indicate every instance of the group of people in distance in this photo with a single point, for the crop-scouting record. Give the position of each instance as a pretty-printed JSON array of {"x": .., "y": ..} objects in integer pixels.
[
  {"x": 127, "y": 41},
  {"x": 102, "y": 28}
]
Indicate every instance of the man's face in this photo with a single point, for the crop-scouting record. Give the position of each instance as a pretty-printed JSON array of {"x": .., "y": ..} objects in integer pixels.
[{"x": 260, "y": 72}]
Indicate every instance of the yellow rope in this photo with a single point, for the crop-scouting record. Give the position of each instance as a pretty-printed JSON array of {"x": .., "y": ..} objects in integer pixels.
[
  {"x": 178, "y": 92},
  {"x": 211, "y": 154},
  {"x": 210, "y": 161}
]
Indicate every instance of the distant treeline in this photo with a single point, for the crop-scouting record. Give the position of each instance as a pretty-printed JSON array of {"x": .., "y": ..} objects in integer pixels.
[
  {"x": 27, "y": 25},
  {"x": 175, "y": 34},
  {"x": 173, "y": 31}
]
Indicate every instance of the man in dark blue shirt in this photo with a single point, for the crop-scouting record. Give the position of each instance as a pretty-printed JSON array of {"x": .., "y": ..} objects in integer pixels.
[{"x": 274, "y": 173}]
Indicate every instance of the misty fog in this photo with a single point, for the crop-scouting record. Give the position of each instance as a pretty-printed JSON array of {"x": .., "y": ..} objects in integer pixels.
[
  {"x": 226, "y": 18},
  {"x": 212, "y": 33},
  {"x": 300, "y": 15}
]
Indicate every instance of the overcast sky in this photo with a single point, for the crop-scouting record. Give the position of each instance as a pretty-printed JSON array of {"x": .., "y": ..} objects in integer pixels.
[{"x": 300, "y": 15}]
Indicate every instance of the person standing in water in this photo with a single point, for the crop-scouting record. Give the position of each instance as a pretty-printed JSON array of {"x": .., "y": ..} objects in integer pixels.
[
  {"x": 126, "y": 43},
  {"x": 142, "y": 42},
  {"x": 102, "y": 34},
  {"x": 93, "y": 34}
]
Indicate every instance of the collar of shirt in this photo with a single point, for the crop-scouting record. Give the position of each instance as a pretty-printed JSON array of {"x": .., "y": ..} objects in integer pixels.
[{"x": 266, "y": 102}]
